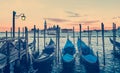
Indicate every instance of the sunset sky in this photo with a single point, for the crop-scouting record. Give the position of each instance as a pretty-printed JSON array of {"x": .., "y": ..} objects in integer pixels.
[{"x": 65, "y": 13}]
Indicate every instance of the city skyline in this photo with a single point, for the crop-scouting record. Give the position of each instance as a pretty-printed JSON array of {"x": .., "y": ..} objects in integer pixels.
[{"x": 65, "y": 13}]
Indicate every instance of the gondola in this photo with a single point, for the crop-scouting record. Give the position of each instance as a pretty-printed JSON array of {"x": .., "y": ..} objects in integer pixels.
[
  {"x": 117, "y": 44},
  {"x": 68, "y": 56},
  {"x": 3, "y": 60},
  {"x": 45, "y": 60},
  {"x": 116, "y": 53},
  {"x": 88, "y": 58},
  {"x": 12, "y": 50}
]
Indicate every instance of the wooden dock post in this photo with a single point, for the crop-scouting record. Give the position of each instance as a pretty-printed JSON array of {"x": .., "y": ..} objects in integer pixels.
[
  {"x": 45, "y": 28},
  {"x": 67, "y": 34},
  {"x": 80, "y": 37},
  {"x": 88, "y": 36},
  {"x": 8, "y": 58},
  {"x": 73, "y": 36},
  {"x": 17, "y": 62},
  {"x": 97, "y": 36},
  {"x": 34, "y": 43},
  {"x": 26, "y": 44},
  {"x": 11, "y": 32},
  {"x": 97, "y": 57},
  {"x": 38, "y": 41},
  {"x": 80, "y": 30},
  {"x": 57, "y": 50},
  {"x": 13, "y": 23},
  {"x": 19, "y": 42},
  {"x": 58, "y": 44},
  {"x": 7, "y": 67},
  {"x": 102, "y": 26},
  {"x": 6, "y": 35},
  {"x": 114, "y": 37},
  {"x": 23, "y": 32}
]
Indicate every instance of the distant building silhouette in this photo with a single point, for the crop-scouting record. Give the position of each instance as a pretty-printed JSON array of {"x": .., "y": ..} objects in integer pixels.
[{"x": 66, "y": 30}]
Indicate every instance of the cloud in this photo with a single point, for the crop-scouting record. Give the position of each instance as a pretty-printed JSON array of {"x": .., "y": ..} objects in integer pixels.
[
  {"x": 76, "y": 23},
  {"x": 116, "y": 17},
  {"x": 72, "y": 14},
  {"x": 57, "y": 19},
  {"x": 87, "y": 22}
]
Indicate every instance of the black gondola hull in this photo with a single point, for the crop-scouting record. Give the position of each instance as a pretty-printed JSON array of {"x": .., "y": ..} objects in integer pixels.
[
  {"x": 44, "y": 65},
  {"x": 90, "y": 67}
]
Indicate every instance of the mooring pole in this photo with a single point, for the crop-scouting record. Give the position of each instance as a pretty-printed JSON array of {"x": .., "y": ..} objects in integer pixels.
[
  {"x": 22, "y": 32},
  {"x": 97, "y": 57},
  {"x": 11, "y": 32},
  {"x": 34, "y": 44},
  {"x": 8, "y": 58},
  {"x": 67, "y": 34},
  {"x": 13, "y": 25},
  {"x": 102, "y": 25},
  {"x": 80, "y": 30},
  {"x": 114, "y": 37},
  {"x": 6, "y": 35},
  {"x": 17, "y": 62},
  {"x": 45, "y": 28},
  {"x": 38, "y": 41},
  {"x": 97, "y": 37},
  {"x": 73, "y": 36},
  {"x": 19, "y": 42},
  {"x": 80, "y": 37},
  {"x": 7, "y": 67},
  {"x": 26, "y": 44},
  {"x": 58, "y": 44},
  {"x": 88, "y": 36}
]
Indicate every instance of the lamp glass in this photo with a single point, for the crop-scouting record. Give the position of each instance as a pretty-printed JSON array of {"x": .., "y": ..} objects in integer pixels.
[{"x": 23, "y": 17}]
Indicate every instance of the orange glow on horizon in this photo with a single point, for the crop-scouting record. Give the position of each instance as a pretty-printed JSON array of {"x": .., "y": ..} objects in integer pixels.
[{"x": 65, "y": 13}]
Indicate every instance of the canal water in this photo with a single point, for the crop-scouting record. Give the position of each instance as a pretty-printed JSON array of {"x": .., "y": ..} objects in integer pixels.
[{"x": 112, "y": 64}]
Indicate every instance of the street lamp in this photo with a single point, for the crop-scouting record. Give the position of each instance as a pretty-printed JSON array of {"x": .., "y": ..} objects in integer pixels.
[{"x": 17, "y": 16}]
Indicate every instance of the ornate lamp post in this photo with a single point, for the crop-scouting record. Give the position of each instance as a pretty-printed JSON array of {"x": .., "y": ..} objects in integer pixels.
[{"x": 17, "y": 16}]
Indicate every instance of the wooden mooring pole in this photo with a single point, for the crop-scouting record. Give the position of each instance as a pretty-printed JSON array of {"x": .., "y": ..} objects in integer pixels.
[
  {"x": 17, "y": 65},
  {"x": 57, "y": 51},
  {"x": 38, "y": 40},
  {"x": 80, "y": 36},
  {"x": 88, "y": 36},
  {"x": 114, "y": 37},
  {"x": 11, "y": 32},
  {"x": 19, "y": 42},
  {"x": 6, "y": 35},
  {"x": 58, "y": 44},
  {"x": 97, "y": 37},
  {"x": 26, "y": 45},
  {"x": 102, "y": 26},
  {"x": 34, "y": 43},
  {"x": 23, "y": 31},
  {"x": 8, "y": 58},
  {"x": 7, "y": 67},
  {"x": 80, "y": 30},
  {"x": 67, "y": 34},
  {"x": 45, "y": 28},
  {"x": 73, "y": 35}
]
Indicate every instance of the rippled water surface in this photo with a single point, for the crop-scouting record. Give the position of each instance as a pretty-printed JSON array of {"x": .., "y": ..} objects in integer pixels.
[{"x": 112, "y": 64}]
